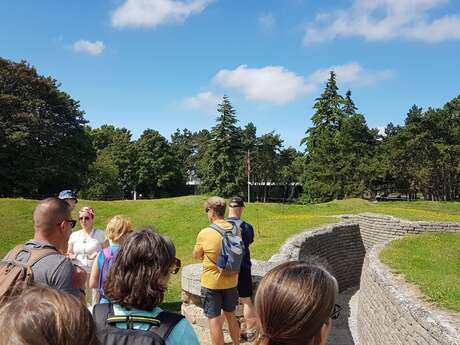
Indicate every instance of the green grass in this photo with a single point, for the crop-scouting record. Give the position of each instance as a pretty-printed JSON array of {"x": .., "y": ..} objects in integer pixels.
[
  {"x": 182, "y": 218},
  {"x": 432, "y": 262}
]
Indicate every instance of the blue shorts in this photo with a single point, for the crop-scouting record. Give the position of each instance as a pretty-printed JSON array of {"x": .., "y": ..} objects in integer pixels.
[{"x": 214, "y": 301}]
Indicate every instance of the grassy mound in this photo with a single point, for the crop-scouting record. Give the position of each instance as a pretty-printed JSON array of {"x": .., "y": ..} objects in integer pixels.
[
  {"x": 182, "y": 218},
  {"x": 432, "y": 262}
]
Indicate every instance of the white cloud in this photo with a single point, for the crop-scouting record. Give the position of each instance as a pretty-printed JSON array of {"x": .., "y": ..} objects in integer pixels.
[
  {"x": 266, "y": 22},
  {"x": 205, "y": 101},
  {"x": 277, "y": 85},
  {"x": 271, "y": 84},
  {"x": 352, "y": 73},
  {"x": 151, "y": 13},
  {"x": 377, "y": 20},
  {"x": 88, "y": 47}
]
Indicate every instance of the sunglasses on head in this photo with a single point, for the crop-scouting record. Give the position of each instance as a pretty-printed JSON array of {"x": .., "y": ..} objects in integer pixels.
[
  {"x": 176, "y": 266},
  {"x": 84, "y": 218},
  {"x": 336, "y": 312}
]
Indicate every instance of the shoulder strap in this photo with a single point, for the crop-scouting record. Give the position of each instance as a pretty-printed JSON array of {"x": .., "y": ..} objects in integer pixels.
[
  {"x": 107, "y": 253},
  {"x": 34, "y": 254},
  {"x": 14, "y": 252},
  {"x": 218, "y": 229},
  {"x": 38, "y": 254},
  {"x": 101, "y": 313},
  {"x": 168, "y": 321},
  {"x": 237, "y": 222}
]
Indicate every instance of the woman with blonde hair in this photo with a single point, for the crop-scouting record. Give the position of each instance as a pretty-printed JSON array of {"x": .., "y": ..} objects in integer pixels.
[
  {"x": 41, "y": 315},
  {"x": 116, "y": 231},
  {"x": 295, "y": 303}
]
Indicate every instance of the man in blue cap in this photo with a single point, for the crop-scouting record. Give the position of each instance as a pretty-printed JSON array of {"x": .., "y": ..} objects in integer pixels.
[
  {"x": 235, "y": 210},
  {"x": 69, "y": 197}
]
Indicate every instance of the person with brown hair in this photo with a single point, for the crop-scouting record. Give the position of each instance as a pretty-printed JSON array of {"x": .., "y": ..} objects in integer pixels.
[
  {"x": 295, "y": 303},
  {"x": 218, "y": 287},
  {"x": 41, "y": 315},
  {"x": 135, "y": 286}
]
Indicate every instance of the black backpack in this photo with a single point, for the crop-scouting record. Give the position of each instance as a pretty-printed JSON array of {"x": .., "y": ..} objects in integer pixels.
[{"x": 109, "y": 334}]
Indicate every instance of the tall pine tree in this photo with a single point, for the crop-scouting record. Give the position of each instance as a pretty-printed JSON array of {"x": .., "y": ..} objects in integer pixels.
[
  {"x": 223, "y": 158},
  {"x": 322, "y": 175}
]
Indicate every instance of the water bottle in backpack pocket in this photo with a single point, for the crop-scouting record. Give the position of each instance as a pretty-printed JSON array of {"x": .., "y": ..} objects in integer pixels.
[{"x": 231, "y": 249}]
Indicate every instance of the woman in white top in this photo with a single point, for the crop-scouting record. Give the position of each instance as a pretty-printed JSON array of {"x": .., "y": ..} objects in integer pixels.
[{"x": 85, "y": 244}]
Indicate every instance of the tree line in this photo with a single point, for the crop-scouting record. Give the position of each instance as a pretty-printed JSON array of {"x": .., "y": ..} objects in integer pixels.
[{"x": 46, "y": 145}]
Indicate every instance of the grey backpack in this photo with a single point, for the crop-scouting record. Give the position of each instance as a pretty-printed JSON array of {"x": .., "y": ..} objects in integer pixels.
[{"x": 231, "y": 250}]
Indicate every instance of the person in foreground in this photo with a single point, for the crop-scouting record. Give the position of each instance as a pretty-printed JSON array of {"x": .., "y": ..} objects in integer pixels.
[
  {"x": 295, "y": 303},
  {"x": 41, "y": 315},
  {"x": 135, "y": 285}
]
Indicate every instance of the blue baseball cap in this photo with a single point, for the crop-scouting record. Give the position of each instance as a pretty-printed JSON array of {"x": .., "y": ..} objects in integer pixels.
[{"x": 67, "y": 194}]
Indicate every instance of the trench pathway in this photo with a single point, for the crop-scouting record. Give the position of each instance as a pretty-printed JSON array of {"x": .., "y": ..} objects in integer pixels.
[{"x": 343, "y": 329}]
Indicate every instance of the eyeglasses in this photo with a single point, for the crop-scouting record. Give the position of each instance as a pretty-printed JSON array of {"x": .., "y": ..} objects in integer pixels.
[
  {"x": 336, "y": 312},
  {"x": 70, "y": 221},
  {"x": 84, "y": 218},
  {"x": 176, "y": 266}
]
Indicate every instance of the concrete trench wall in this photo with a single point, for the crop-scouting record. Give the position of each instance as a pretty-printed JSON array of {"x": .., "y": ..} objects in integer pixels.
[{"x": 346, "y": 246}]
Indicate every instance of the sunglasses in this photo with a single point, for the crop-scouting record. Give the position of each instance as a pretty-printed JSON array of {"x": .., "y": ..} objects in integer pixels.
[
  {"x": 176, "y": 266},
  {"x": 84, "y": 218},
  {"x": 336, "y": 312},
  {"x": 207, "y": 209},
  {"x": 70, "y": 221}
]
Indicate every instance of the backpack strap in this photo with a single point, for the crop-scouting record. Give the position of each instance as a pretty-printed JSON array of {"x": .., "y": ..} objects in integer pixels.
[
  {"x": 34, "y": 254},
  {"x": 107, "y": 253},
  {"x": 38, "y": 254},
  {"x": 162, "y": 324},
  {"x": 216, "y": 227},
  {"x": 237, "y": 222},
  {"x": 168, "y": 321},
  {"x": 101, "y": 313}
]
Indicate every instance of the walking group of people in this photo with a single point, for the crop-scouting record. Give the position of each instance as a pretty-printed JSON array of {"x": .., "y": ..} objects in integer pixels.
[{"x": 47, "y": 284}]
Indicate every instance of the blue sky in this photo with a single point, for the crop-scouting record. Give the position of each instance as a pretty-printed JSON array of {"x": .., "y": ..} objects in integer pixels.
[{"x": 164, "y": 64}]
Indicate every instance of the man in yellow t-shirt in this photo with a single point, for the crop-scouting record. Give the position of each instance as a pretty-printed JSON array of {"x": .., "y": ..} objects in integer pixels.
[{"x": 218, "y": 288}]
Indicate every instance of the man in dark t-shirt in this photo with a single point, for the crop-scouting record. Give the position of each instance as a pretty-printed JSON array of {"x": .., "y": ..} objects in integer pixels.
[{"x": 235, "y": 210}]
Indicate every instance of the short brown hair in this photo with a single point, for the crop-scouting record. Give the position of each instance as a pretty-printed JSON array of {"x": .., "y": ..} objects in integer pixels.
[
  {"x": 136, "y": 278},
  {"x": 118, "y": 227},
  {"x": 217, "y": 204},
  {"x": 42, "y": 315},
  {"x": 293, "y": 301}
]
